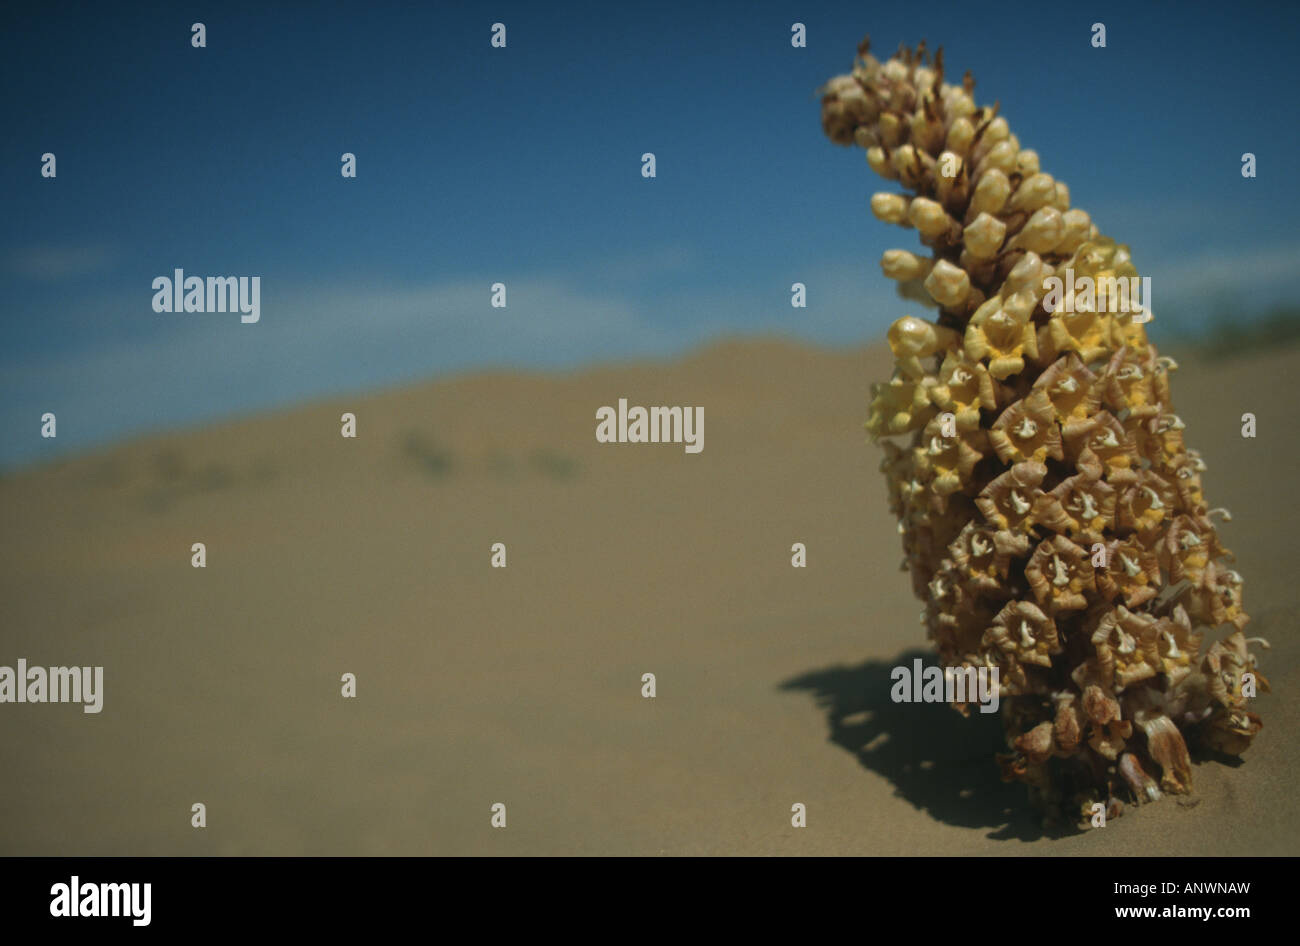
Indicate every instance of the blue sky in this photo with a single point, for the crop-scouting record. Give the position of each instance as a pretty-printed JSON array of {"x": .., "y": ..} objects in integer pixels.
[{"x": 522, "y": 165}]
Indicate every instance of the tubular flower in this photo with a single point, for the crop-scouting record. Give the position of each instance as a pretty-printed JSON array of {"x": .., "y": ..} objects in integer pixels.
[
  {"x": 1070, "y": 386},
  {"x": 998, "y": 335},
  {"x": 1081, "y": 506},
  {"x": 1059, "y": 573},
  {"x": 1178, "y": 643},
  {"x": 1189, "y": 546},
  {"x": 1131, "y": 571},
  {"x": 899, "y": 406},
  {"x": 1147, "y": 507},
  {"x": 950, "y": 460},
  {"x": 1127, "y": 647},
  {"x": 964, "y": 388},
  {"x": 1027, "y": 431},
  {"x": 1052, "y": 518},
  {"x": 1023, "y": 630},
  {"x": 1084, "y": 331},
  {"x": 1126, "y": 386},
  {"x": 1186, "y": 473},
  {"x": 911, "y": 339},
  {"x": 1010, "y": 498},
  {"x": 976, "y": 559},
  {"x": 1101, "y": 447}
]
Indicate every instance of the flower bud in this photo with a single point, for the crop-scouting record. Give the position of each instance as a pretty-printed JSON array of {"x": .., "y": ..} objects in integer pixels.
[
  {"x": 909, "y": 165},
  {"x": 880, "y": 164},
  {"x": 983, "y": 236},
  {"x": 1061, "y": 201},
  {"x": 910, "y": 337},
  {"x": 891, "y": 130},
  {"x": 991, "y": 192},
  {"x": 947, "y": 284},
  {"x": 1043, "y": 231},
  {"x": 957, "y": 104},
  {"x": 1033, "y": 192},
  {"x": 1027, "y": 162},
  {"x": 996, "y": 131},
  {"x": 1002, "y": 157},
  {"x": 960, "y": 135},
  {"x": 930, "y": 218},
  {"x": 926, "y": 132},
  {"x": 891, "y": 208},
  {"x": 1028, "y": 271},
  {"x": 1078, "y": 228},
  {"x": 902, "y": 265}
]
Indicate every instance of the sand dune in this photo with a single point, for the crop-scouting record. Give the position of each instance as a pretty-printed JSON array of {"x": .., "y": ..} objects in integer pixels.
[{"x": 522, "y": 685}]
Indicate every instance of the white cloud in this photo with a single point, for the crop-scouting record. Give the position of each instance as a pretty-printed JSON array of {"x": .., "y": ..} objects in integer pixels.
[
  {"x": 1234, "y": 271},
  {"x": 310, "y": 342}
]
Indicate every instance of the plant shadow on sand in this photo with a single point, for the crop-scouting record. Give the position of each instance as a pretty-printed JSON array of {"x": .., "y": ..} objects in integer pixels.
[{"x": 936, "y": 759}]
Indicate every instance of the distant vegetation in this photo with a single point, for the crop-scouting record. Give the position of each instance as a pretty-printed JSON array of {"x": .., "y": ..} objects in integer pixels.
[
  {"x": 425, "y": 452},
  {"x": 1230, "y": 336},
  {"x": 435, "y": 460},
  {"x": 554, "y": 464},
  {"x": 1278, "y": 329}
]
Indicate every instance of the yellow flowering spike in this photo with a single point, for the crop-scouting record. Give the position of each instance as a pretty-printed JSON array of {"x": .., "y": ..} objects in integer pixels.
[{"x": 1052, "y": 517}]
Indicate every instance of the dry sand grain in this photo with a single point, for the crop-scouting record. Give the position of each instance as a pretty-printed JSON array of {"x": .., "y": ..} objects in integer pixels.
[{"x": 522, "y": 685}]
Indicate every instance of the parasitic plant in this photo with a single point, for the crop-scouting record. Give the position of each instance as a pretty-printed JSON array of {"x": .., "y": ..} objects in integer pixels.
[{"x": 1052, "y": 517}]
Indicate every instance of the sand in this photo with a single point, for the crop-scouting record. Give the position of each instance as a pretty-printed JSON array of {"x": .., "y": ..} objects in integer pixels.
[{"x": 478, "y": 685}]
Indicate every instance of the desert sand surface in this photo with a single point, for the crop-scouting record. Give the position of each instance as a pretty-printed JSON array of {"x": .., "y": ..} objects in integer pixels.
[{"x": 478, "y": 685}]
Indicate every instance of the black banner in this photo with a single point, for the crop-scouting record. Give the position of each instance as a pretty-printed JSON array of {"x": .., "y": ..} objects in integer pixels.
[{"x": 173, "y": 895}]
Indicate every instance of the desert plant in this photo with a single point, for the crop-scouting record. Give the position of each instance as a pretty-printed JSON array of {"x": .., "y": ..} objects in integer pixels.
[{"x": 1052, "y": 517}]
